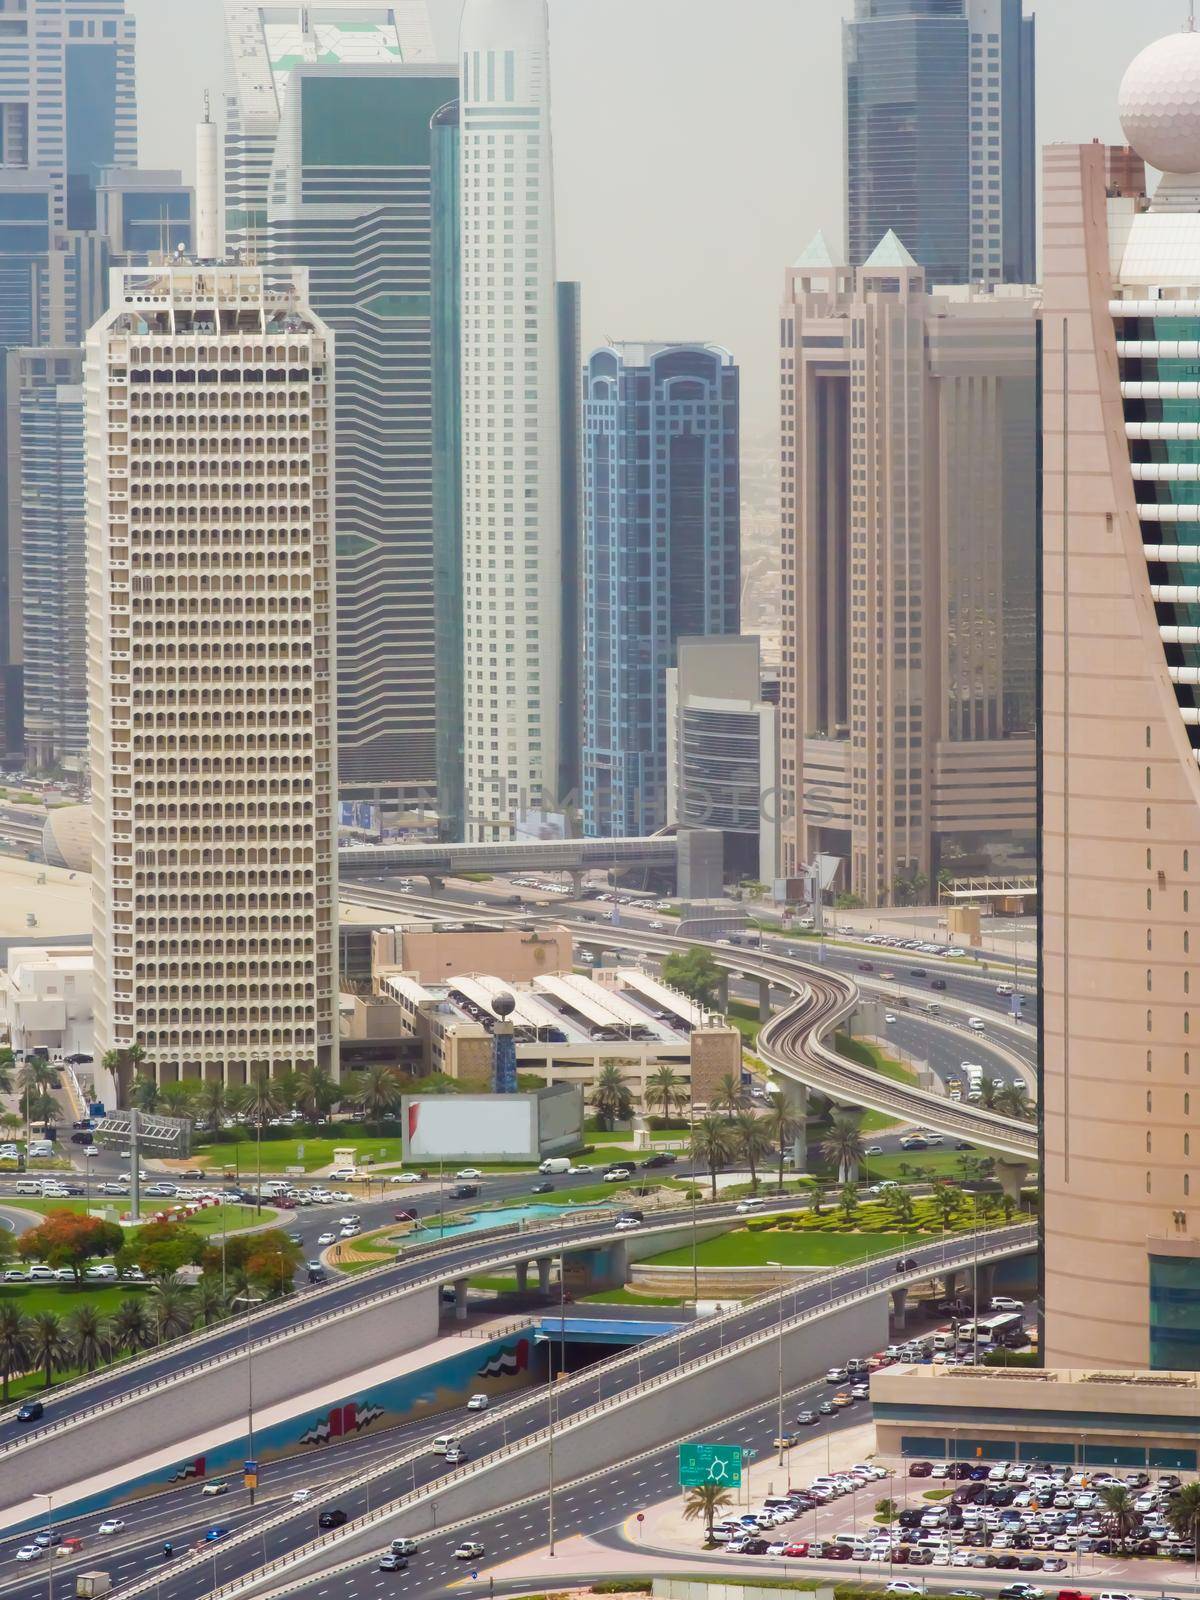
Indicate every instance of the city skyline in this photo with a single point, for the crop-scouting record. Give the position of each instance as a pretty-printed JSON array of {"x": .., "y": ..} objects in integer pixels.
[{"x": 775, "y": 154}]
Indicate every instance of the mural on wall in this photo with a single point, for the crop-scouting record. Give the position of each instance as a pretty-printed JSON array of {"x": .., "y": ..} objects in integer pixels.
[{"x": 497, "y": 1367}]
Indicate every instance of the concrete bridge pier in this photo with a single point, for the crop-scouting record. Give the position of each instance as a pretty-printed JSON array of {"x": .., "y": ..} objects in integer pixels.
[
  {"x": 950, "y": 1284},
  {"x": 764, "y": 999},
  {"x": 722, "y": 1002},
  {"x": 577, "y": 879},
  {"x": 795, "y": 1098},
  {"x": 899, "y": 1308},
  {"x": 522, "y": 1277},
  {"x": 460, "y": 1300},
  {"x": 1011, "y": 1175},
  {"x": 543, "y": 1267}
]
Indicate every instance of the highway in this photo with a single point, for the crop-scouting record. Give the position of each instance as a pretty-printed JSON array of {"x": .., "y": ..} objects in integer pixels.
[{"x": 279, "y": 1531}]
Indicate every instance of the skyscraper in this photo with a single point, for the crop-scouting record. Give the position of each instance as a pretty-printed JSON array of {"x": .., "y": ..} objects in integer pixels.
[
  {"x": 662, "y": 558},
  {"x": 939, "y": 116},
  {"x": 211, "y": 672},
  {"x": 67, "y": 110},
  {"x": 1121, "y": 730},
  {"x": 44, "y": 430},
  {"x": 511, "y": 398},
  {"x": 263, "y": 43},
  {"x": 909, "y": 426},
  {"x": 352, "y": 200}
]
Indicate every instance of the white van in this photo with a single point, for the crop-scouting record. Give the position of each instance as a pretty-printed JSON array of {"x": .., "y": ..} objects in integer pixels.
[
  {"x": 29, "y": 1186},
  {"x": 443, "y": 1442},
  {"x": 976, "y": 1024},
  {"x": 555, "y": 1164}
]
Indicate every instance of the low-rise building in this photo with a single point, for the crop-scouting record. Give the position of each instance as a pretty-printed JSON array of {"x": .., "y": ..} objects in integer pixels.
[
  {"x": 434, "y": 952},
  {"x": 567, "y": 1027},
  {"x": 48, "y": 998}
]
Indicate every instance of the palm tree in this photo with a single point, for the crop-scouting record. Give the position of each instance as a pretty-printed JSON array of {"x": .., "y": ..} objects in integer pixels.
[
  {"x": 178, "y": 1099},
  {"x": 843, "y": 1146},
  {"x": 612, "y": 1099},
  {"x": 378, "y": 1092},
  {"x": 989, "y": 1095},
  {"x": 10, "y": 1122},
  {"x": 6, "y": 1072},
  {"x": 1117, "y": 1504},
  {"x": 886, "y": 1510},
  {"x": 664, "y": 1087},
  {"x": 144, "y": 1094},
  {"x": 712, "y": 1146},
  {"x": 900, "y": 1207},
  {"x": 287, "y": 1086},
  {"x": 1013, "y": 1101},
  {"x": 818, "y": 1197},
  {"x": 945, "y": 1202},
  {"x": 16, "y": 1343},
  {"x": 848, "y": 1201},
  {"x": 753, "y": 1142},
  {"x": 132, "y": 1329},
  {"x": 259, "y": 1100},
  {"x": 213, "y": 1104},
  {"x": 317, "y": 1094},
  {"x": 209, "y": 1302},
  {"x": 89, "y": 1337},
  {"x": 1008, "y": 1205},
  {"x": 171, "y": 1308},
  {"x": 705, "y": 1500},
  {"x": 730, "y": 1096},
  {"x": 783, "y": 1128},
  {"x": 1183, "y": 1511},
  {"x": 49, "y": 1346}
]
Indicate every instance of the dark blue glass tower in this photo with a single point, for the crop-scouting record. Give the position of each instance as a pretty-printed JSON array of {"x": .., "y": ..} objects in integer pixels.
[{"x": 662, "y": 557}]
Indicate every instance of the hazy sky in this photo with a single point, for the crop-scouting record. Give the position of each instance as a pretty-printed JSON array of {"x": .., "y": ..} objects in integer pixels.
[{"x": 697, "y": 142}]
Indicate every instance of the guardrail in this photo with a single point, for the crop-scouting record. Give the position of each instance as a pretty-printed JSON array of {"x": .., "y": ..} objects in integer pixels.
[{"x": 1012, "y": 1239}]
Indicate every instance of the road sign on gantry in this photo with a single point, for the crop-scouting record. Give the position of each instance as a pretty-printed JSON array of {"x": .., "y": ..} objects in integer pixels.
[{"x": 710, "y": 1463}]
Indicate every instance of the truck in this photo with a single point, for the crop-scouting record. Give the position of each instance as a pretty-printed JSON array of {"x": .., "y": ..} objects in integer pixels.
[
  {"x": 555, "y": 1164},
  {"x": 90, "y": 1584}
]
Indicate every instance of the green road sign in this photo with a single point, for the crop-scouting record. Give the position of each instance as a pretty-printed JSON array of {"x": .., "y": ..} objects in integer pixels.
[{"x": 710, "y": 1463}]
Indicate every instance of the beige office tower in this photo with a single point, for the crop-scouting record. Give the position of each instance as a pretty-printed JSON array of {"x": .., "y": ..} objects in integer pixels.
[
  {"x": 908, "y": 685},
  {"x": 210, "y": 673},
  {"x": 1121, "y": 721}
]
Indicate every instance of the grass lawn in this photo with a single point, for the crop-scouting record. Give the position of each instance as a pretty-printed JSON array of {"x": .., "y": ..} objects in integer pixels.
[
  {"x": 743, "y": 1249},
  {"x": 309, "y": 1151},
  {"x": 870, "y": 1055},
  {"x": 744, "y": 1017},
  {"x": 940, "y": 1163},
  {"x": 629, "y": 1297},
  {"x": 65, "y": 1297}
]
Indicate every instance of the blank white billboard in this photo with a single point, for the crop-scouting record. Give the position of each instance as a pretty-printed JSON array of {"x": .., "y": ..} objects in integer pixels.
[{"x": 485, "y": 1127}]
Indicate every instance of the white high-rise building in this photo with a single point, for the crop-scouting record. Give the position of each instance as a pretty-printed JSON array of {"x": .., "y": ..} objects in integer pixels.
[
  {"x": 211, "y": 673},
  {"x": 511, "y": 490}
]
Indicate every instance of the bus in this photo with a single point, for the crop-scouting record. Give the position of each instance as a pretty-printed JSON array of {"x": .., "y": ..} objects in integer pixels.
[{"x": 994, "y": 1329}]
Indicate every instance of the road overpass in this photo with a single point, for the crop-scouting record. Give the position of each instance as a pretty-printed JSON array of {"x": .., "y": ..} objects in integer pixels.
[{"x": 670, "y": 1389}]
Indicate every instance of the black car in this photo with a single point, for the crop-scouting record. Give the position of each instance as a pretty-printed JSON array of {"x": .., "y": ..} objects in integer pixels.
[
  {"x": 84, "y": 1137},
  {"x": 918, "y": 972},
  {"x": 937, "y": 983},
  {"x": 389, "y": 1561},
  {"x": 464, "y": 1191},
  {"x": 1006, "y": 1564},
  {"x": 807, "y": 1418},
  {"x": 631, "y": 1216},
  {"x": 31, "y": 1411},
  {"x": 331, "y": 1519},
  {"x": 755, "y": 1547},
  {"x": 542, "y": 1188},
  {"x": 661, "y": 1158}
]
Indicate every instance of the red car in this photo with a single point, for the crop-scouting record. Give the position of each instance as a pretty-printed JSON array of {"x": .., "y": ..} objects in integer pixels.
[
  {"x": 405, "y": 1215},
  {"x": 794, "y": 1551},
  {"x": 920, "y": 1469},
  {"x": 1073, "y": 1594}
]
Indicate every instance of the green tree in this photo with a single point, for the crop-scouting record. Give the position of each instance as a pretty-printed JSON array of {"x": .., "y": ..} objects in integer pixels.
[
  {"x": 818, "y": 1192},
  {"x": 69, "y": 1239},
  {"x": 989, "y": 1095},
  {"x": 612, "y": 1098},
  {"x": 209, "y": 1301},
  {"x": 694, "y": 973},
  {"x": 753, "y": 1142},
  {"x": 704, "y": 1501},
  {"x": 287, "y": 1087},
  {"x": 213, "y": 1105},
  {"x": 144, "y": 1095},
  {"x": 665, "y": 1089},
  {"x": 730, "y": 1097},
  {"x": 180, "y": 1098},
  {"x": 784, "y": 1129},
  {"x": 49, "y": 1345},
  {"x": 16, "y": 1344},
  {"x": 848, "y": 1201},
  {"x": 171, "y": 1308},
  {"x": 1183, "y": 1511},
  {"x": 1121, "y": 1518},
  {"x": 259, "y": 1100},
  {"x": 886, "y": 1511},
  {"x": 843, "y": 1145},
  {"x": 712, "y": 1146},
  {"x": 900, "y": 1208},
  {"x": 272, "y": 1263},
  {"x": 317, "y": 1094},
  {"x": 160, "y": 1249},
  {"x": 132, "y": 1328},
  {"x": 377, "y": 1092},
  {"x": 89, "y": 1337},
  {"x": 946, "y": 1204},
  {"x": 1013, "y": 1101}
]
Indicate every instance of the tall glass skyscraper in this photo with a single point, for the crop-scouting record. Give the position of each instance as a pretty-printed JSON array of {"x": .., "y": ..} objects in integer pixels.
[
  {"x": 662, "y": 557},
  {"x": 939, "y": 121},
  {"x": 351, "y": 200}
]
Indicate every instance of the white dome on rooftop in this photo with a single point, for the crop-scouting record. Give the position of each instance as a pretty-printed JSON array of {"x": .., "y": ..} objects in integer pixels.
[{"x": 1159, "y": 103}]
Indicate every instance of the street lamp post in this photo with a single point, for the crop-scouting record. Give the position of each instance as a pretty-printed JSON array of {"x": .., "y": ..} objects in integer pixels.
[
  {"x": 779, "y": 1266},
  {"x": 49, "y": 1499}
]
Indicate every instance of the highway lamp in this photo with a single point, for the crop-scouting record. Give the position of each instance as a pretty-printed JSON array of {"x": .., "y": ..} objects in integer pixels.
[
  {"x": 250, "y": 1396},
  {"x": 49, "y": 1499},
  {"x": 778, "y": 1265},
  {"x": 548, "y": 1342}
]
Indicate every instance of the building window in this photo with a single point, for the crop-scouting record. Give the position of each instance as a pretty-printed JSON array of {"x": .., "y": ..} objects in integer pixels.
[{"x": 1175, "y": 1313}]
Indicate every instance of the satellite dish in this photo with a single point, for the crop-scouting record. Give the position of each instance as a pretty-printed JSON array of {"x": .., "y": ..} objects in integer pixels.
[{"x": 504, "y": 1005}]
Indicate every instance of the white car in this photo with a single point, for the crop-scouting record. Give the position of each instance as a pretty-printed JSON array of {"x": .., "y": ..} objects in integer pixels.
[
  {"x": 404, "y": 1177},
  {"x": 889, "y": 1016},
  {"x": 327, "y": 1238},
  {"x": 350, "y": 1220},
  {"x": 468, "y": 1550},
  {"x": 344, "y": 1174},
  {"x": 617, "y": 1175},
  {"x": 299, "y": 1496},
  {"x": 110, "y": 1525},
  {"x": 28, "y": 1552},
  {"x": 218, "y": 1486},
  {"x": 350, "y": 1232},
  {"x": 976, "y": 1024},
  {"x": 902, "y": 1586},
  {"x": 624, "y": 1224},
  {"x": 341, "y": 1197},
  {"x": 1004, "y": 1302},
  {"x": 469, "y": 1172},
  {"x": 477, "y": 1402}
]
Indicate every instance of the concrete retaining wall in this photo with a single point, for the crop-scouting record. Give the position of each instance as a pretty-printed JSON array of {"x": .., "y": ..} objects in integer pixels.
[
  {"x": 720, "y": 1282},
  {"x": 689, "y": 1589},
  {"x": 129, "y": 1432},
  {"x": 687, "y": 1404}
]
